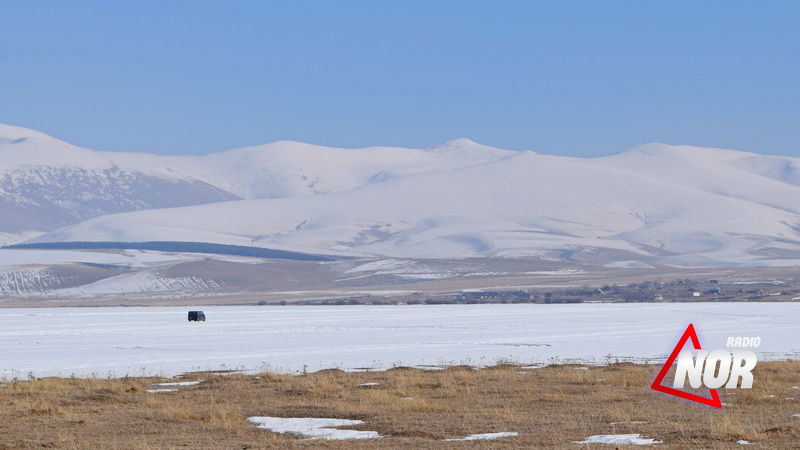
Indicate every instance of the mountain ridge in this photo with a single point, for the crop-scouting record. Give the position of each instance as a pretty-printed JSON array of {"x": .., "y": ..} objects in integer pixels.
[{"x": 655, "y": 203}]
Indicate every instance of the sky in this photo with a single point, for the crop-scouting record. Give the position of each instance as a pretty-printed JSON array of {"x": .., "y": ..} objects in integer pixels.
[{"x": 574, "y": 78}]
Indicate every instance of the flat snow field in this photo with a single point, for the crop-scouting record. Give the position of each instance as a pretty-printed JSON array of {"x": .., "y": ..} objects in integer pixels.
[{"x": 120, "y": 341}]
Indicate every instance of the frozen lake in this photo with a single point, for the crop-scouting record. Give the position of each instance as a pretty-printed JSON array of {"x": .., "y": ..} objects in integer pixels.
[{"x": 159, "y": 340}]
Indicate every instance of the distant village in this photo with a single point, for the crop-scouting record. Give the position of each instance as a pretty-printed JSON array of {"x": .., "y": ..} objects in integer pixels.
[{"x": 682, "y": 290}]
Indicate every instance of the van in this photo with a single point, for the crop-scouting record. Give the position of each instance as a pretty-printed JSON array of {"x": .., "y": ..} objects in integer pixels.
[{"x": 197, "y": 316}]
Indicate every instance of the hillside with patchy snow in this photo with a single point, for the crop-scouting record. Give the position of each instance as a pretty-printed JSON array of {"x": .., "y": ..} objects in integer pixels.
[{"x": 654, "y": 204}]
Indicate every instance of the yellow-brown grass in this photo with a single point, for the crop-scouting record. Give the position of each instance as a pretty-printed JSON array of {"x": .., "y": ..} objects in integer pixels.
[{"x": 549, "y": 407}]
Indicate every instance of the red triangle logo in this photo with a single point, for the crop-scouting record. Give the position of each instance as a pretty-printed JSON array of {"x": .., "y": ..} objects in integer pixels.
[{"x": 688, "y": 334}]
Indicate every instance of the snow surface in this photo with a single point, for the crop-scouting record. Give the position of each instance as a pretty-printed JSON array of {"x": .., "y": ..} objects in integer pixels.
[
  {"x": 486, "y": 436},
  {"x": 46, "y": 184},
  {"x": 314, "y": 428},
  {"x": 521, "y": 205},
  {"x": 674, "y": 205},
  {"x": 119, "y": 341},
  {"x": 179, "y": 383},
  {"x": 618, "y": 439},
  {"x": 124, "y": 258}
]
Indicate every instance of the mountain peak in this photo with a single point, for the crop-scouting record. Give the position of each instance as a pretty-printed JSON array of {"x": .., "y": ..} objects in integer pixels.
[
  {"x": 461, "y": 141},
  {"x": 455, "y": 144},
  {"x": 685, "y": 152},
  {"x": 461, "y": 145},
  {"x": 11, "y": 134}
]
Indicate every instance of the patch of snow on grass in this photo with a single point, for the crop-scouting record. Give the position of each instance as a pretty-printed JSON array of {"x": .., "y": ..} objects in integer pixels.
[
  {"x": 617, "y": 439},
  {"x": 181, "y": 383},
  {"x": 313, "y": 428},
  {"x": 156, "y": 391},
  {"x": 485, "y": 436}
]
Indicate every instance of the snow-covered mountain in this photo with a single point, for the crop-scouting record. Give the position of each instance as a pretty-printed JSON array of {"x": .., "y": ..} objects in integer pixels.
[
  {"x": 654, "y": 204},
  {"x": 46, "y": 184}
]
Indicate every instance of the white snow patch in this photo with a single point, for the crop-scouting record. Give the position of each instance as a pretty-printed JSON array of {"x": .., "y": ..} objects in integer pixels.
[
  {"x": 144, "y": 281},
  {"x": 126, "y": 258},
  {"x": 156, "y": 391},
  {"x": 743, "y": 442},
  {"x": 618, "y": 439},
  {"x": 313, "y": 428},
  {"x": 382, "y": 265},
  {"x": 486, "y": 436},
  {"x": 180, "y": 383}
]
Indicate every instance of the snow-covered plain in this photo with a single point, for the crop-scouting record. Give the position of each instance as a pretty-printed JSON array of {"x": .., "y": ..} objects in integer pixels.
[{"x": 119, "y": 341}]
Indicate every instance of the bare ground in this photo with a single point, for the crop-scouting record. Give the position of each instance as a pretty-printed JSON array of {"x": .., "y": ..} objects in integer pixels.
[
  {"x": 548, "y": 407},
  {"x": 281, "y": 281}
]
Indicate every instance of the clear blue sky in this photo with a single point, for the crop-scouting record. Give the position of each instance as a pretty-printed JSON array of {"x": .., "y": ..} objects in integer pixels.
[{"x": 577, "y": 78}]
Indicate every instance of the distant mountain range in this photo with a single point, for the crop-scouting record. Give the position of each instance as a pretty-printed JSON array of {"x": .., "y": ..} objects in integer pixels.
[{"x": 653, "y": 204}]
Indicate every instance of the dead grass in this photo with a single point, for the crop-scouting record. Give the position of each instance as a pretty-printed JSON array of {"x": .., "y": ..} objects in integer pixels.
[{"x": 549, "y": 408}]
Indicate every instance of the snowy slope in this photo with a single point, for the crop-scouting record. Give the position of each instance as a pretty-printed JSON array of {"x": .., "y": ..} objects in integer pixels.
[
  {"x": 294, "y": 169},
  {"x": 682, "y": 206},
  {"x": 677, "y": 205},
  {"x": 46, "y": 184}
]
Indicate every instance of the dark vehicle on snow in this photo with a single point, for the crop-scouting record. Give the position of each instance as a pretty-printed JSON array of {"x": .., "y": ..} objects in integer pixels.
[{"x": 197, "y": 316}]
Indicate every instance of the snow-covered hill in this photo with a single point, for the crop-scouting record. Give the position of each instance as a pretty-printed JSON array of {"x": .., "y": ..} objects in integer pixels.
[
  {"x": 294, "y": 169},
  {"x": 654, "y": 204},
  {"x": 46, "y": 184}
]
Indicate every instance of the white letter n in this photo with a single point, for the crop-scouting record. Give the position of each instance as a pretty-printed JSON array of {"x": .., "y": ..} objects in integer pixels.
[{"x": 688, "y": 366}]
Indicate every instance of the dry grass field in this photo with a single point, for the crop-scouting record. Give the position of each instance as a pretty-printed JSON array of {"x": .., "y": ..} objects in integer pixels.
[{"x": 548, "y": 407}]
